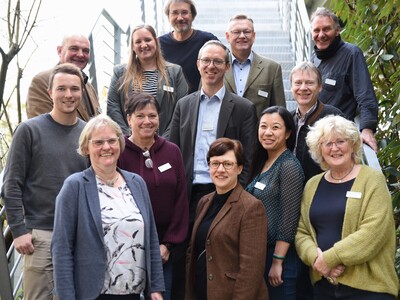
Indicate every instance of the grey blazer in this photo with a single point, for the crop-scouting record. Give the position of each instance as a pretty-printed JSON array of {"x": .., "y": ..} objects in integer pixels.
[
  {"x": 167, "y": 96},
  {"x": 237, "y": 120},
  {"x": 77, "y": 247},
  {"x": 264, "y": 86}
]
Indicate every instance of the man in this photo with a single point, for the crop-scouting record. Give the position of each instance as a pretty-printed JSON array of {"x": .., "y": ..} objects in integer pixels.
[
  {"x": 346, "y": 82},
  {"x": 74, "y": 49},
  {"x": 204, "y": 116},
  {"x": 182, "y": 45},
  {"x": 306, "y": 85},
  {"x": 42, "y": 154},
  {"x": 252, "y": 76}
]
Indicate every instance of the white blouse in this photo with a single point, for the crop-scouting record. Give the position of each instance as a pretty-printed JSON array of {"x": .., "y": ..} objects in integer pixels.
[{"x": 124, "y": 241}]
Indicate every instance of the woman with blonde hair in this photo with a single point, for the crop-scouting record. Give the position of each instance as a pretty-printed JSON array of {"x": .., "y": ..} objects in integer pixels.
[
  {"x": 146, "y": 71},
  {"x": 346, "y": 232}
]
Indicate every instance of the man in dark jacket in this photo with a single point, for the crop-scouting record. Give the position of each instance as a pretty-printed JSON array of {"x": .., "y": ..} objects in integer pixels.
[
  {"x": 346, "y": 83},
  {"x": 306, "y": 85}
]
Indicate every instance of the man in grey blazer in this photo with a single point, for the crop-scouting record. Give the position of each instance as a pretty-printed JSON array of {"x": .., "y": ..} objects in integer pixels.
[
  {"x": 252, "y": 76},
  {"x": 206, "y": 115}
]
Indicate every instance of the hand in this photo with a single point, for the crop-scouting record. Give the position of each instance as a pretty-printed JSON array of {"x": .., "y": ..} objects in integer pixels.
[
  {"x": 320, "y": 265},
  {"x": 156, "y": 296},
  {"x": 367, "y": 136},
  {"x": 275, "y": 273},
  {"x": 164, "y": 252},
  {"x": 337, "y": 271},
  {"x": 23, "y": 244}
]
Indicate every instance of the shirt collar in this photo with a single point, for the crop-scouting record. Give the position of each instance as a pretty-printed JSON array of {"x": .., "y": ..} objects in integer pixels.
[
  {"x": 309, "y": 112},
  {"x": 249, "y": 59},
  {"x": 220, "y": 94}
]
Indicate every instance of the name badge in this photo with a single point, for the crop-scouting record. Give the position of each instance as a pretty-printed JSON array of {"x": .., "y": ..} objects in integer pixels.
[
  {"x": 164, "y": 167},
  {"x": 356, "y": 195},
  {"x": 168, "y": 88},
  {"x": 330, "y": 81},
  {"x": 259, "y": 185},
  {"x": 262, "y": 93}
]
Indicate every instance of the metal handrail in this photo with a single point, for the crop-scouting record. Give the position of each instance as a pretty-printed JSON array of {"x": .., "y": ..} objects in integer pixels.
[{"x": 296, "y": 21}]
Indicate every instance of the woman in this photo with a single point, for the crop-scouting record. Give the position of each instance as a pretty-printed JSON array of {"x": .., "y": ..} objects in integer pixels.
[
  {"x": 160, "y": 164},
  {"x": 105, "y": 243},
  {"x": 277, "y": 179},
  {"x": 226, "y": 256},
  {"x": 346, "y": 230},
  {"x": 146, "y": 71}
]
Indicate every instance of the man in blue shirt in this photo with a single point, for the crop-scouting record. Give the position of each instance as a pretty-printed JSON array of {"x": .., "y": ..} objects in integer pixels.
[{"x": 208, "y": 114}]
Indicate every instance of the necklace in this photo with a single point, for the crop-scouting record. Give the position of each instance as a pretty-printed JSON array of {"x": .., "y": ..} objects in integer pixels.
[
  {"x": 340, "y": 179},
  {"x": 109, "y": 183}
]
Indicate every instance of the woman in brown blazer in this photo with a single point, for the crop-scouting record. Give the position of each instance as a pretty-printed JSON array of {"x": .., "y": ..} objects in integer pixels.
[{"x": 226, "y": 256}]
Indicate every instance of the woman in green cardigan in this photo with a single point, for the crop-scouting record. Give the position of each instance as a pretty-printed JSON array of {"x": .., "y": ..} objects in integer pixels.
[{"x": 346, "y": 231}]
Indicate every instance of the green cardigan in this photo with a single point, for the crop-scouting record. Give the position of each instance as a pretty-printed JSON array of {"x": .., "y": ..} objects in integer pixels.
[{"x": 368, "y": 244}]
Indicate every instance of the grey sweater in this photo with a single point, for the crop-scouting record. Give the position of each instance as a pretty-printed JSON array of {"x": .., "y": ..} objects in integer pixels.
[{"x": 42, "y": 154}]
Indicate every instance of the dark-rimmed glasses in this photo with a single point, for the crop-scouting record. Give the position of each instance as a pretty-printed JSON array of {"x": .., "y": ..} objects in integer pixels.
[
  {"x": 237, "y": 33},
  {"x": 227, "y": 164},
  {"x": 217, "y": 62}
]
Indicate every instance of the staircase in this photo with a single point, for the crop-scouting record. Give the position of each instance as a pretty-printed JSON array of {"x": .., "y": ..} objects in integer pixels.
[{"x": 271, "y": 40}]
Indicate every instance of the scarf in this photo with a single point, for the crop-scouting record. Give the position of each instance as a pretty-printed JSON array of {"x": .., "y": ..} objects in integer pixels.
[{"x": 331, "y": 50}]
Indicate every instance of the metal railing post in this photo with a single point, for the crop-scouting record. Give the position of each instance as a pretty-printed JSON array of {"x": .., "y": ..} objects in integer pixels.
[{"x": 6, "y": 291}]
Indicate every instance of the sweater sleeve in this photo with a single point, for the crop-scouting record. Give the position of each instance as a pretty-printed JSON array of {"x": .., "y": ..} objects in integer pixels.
[
  {"x": 178, "y": 227},
  {"x": 15, "y": 175},
  {"x": 63, "y": 242}
]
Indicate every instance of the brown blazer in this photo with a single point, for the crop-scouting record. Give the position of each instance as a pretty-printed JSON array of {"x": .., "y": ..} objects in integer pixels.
[
  {"x": 236, "y": 249},
  {"x": 38, "y": 101}
]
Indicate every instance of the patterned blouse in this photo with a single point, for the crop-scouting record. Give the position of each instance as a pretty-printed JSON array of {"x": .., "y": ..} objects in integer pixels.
[
  {"x": 280, "y": 189},
  {"x": 124, "y": 241}
]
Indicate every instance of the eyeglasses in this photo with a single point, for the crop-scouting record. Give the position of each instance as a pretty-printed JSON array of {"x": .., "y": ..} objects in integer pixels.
[
  {"x": 183, "y": 13},
  {"x": 100, "y": 143},
  {"x": 148, "y": 162},
  {"x": 226, "y": 164},
  {"x": 338, "y": 143},
  {"x": 237, "y": 33},
  {"x": 217, "y": 62}
]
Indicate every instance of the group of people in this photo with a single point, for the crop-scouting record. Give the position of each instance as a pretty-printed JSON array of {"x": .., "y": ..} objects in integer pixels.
[{"x": 199, "y": 183}]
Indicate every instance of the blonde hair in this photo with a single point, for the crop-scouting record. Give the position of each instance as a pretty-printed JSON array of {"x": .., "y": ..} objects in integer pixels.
[
  {"x": 134, "y": 71},
  {"x": 328, "y": 126},
  {"x": 94, "y": 124}
]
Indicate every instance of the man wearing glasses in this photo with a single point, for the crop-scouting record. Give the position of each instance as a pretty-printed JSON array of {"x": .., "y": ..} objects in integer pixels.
[
  {"x": 252, "y": 76},
  {"x": 208, "y": 114},
  {"x": 42, "y": 154},
  {"x": 182, "y": 45}
]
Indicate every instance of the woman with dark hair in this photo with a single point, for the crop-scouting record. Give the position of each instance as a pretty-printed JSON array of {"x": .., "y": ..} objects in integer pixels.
[
  {"x": 146, "y": 71},
  {"x": 160, "y": 164},
  {"x": 226, "y": 255},
  {"x": 277, "y": 179}
]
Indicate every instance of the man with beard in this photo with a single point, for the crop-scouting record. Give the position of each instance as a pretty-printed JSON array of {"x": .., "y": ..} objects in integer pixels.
[{"x": 182, "y": 45}]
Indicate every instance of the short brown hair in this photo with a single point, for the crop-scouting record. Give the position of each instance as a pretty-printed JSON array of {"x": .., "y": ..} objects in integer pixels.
[
  {"x": 222, "y": 145},
  {"x": 66, "y": 68}
]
